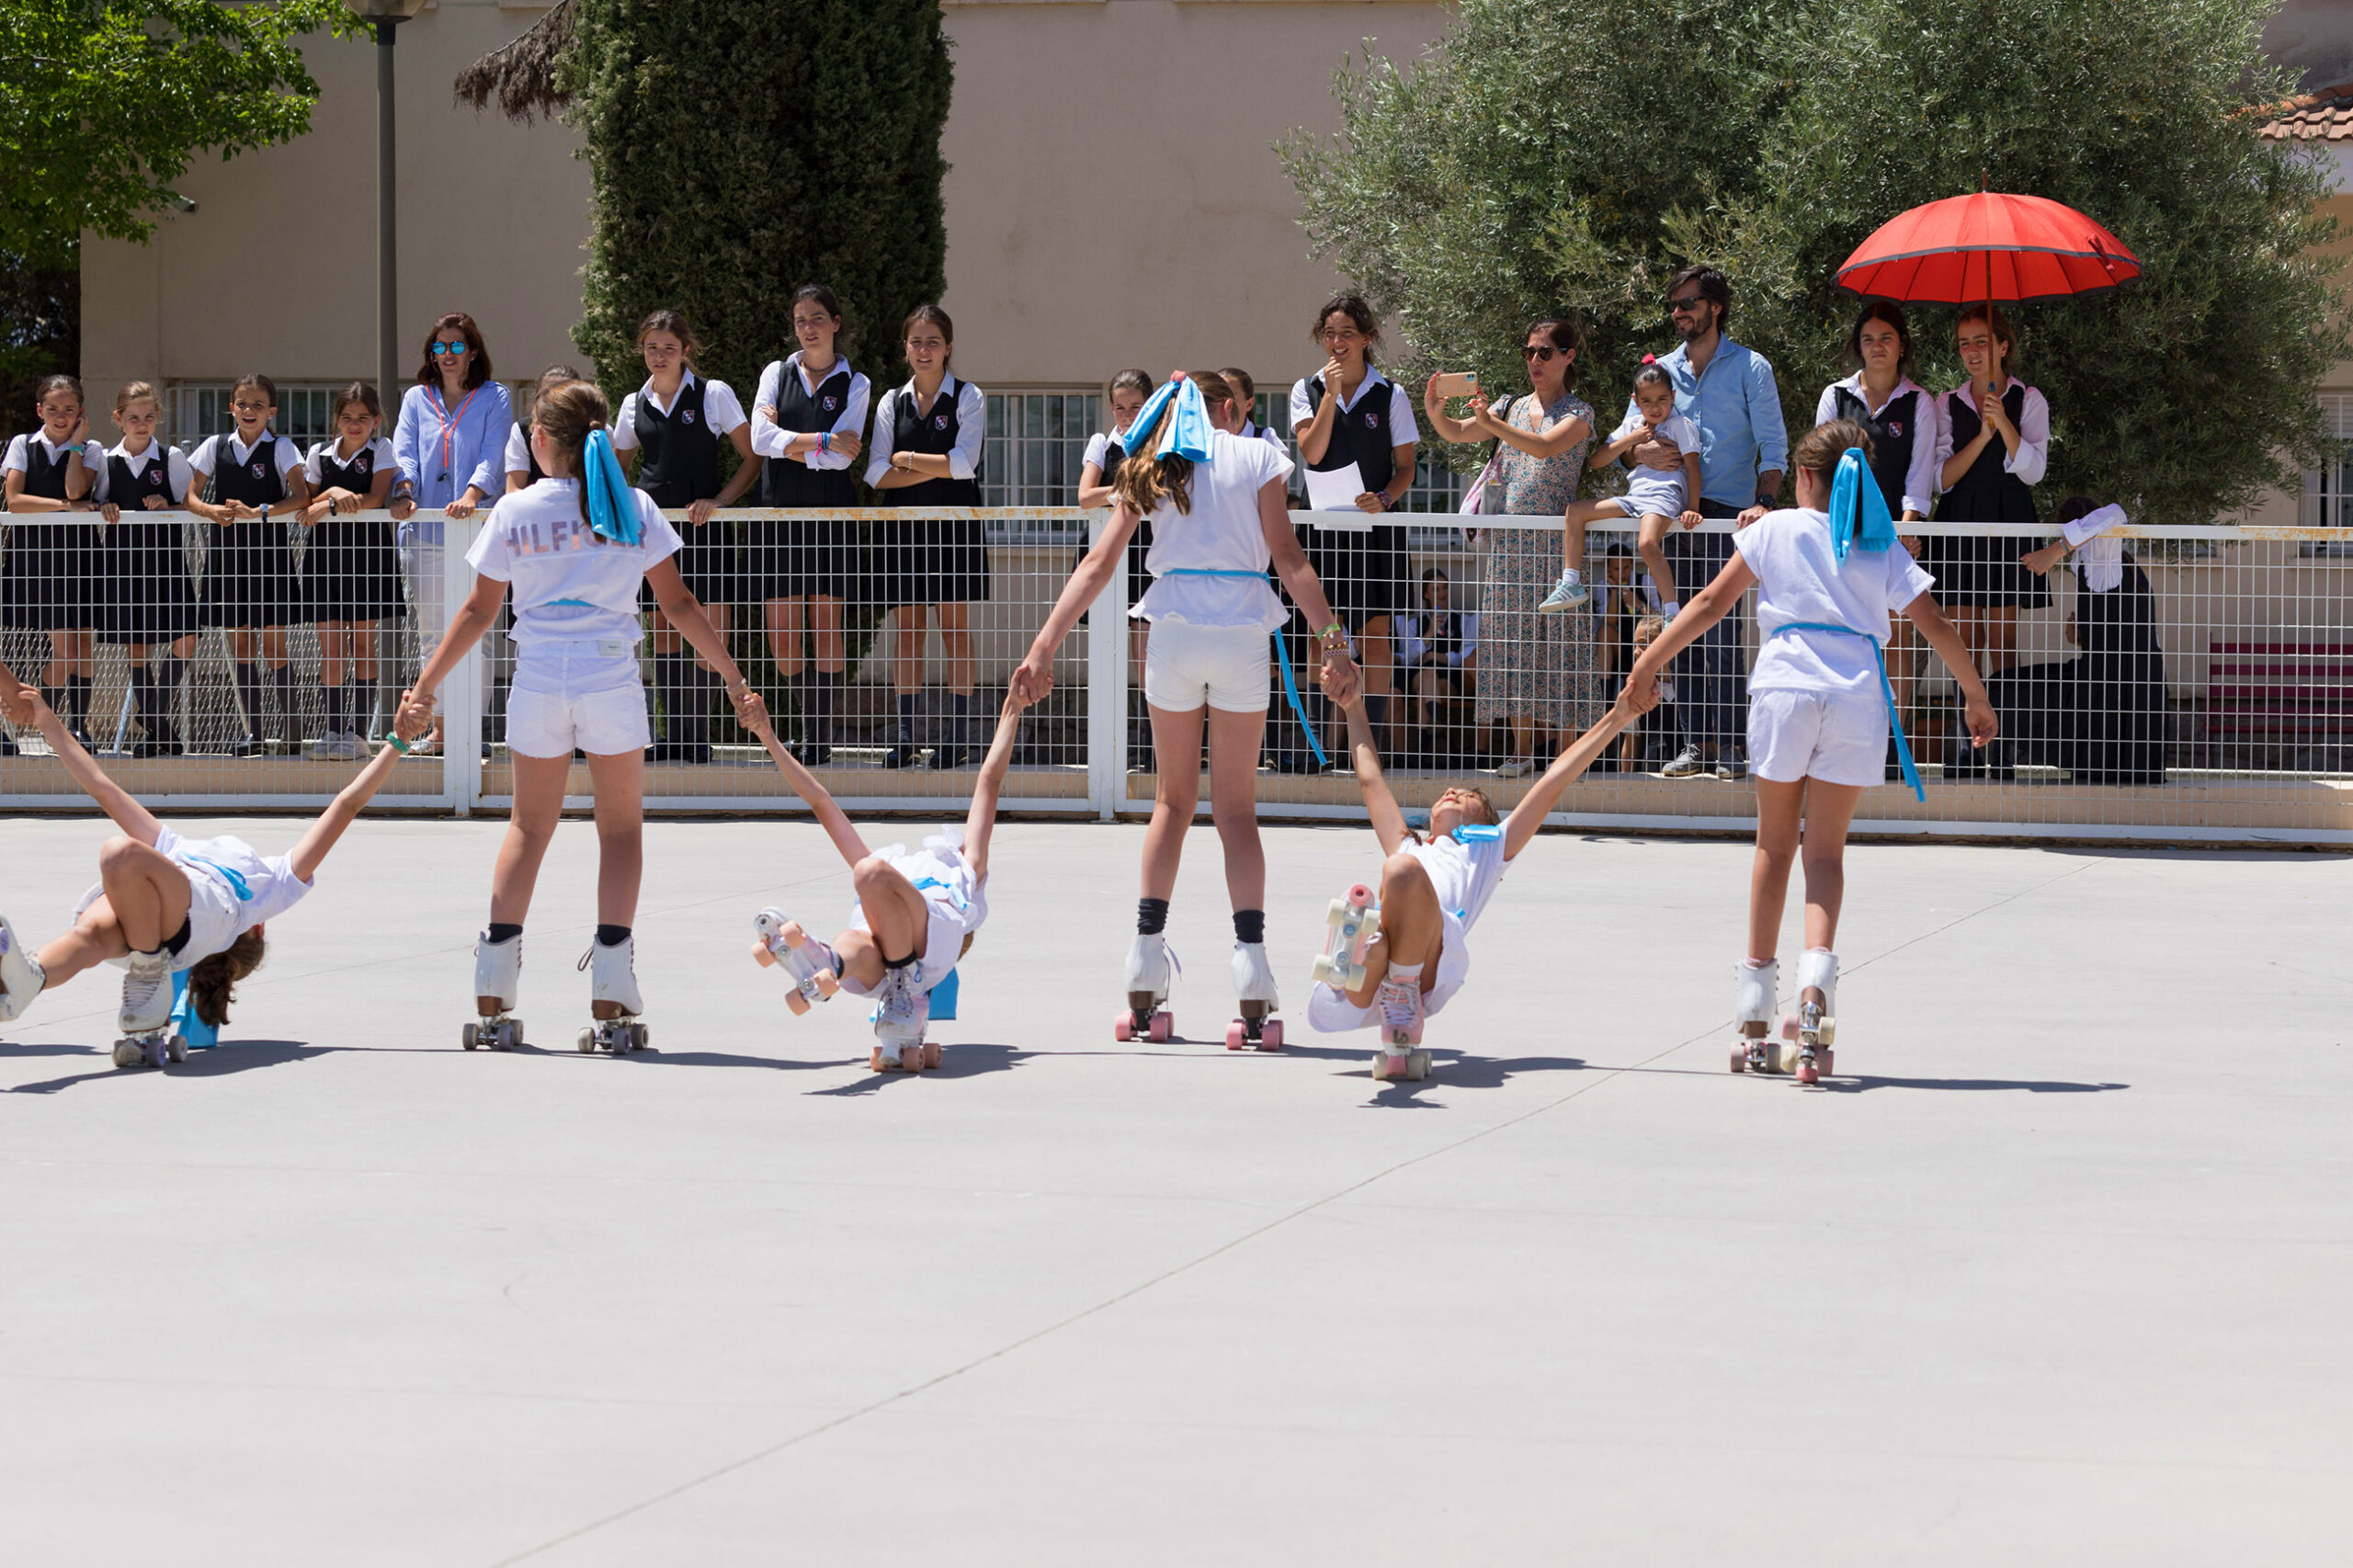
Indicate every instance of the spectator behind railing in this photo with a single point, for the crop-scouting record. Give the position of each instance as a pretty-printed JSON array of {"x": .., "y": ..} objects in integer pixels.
[
  {"x": 351, "y": 572},
  {"x": 1727, "y": 389},
  {"x": 1995, "y": 444},
  {"x": 45, "y": 581},
  {"x": 1439, "y": 651},
  {"x": 1098, "y": 473},
  {"x": 2118, "y": 733},
  {"x": 1540, "y": 673},
  {"x": 148, "y": 599}
]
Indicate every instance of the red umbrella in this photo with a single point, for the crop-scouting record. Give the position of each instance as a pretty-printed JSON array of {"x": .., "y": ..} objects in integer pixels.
[{"x": 1987, "y": 246}]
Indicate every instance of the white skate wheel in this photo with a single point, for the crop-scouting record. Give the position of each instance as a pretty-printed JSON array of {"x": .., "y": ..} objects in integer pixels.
[
  {"x": 1827, "y": 1034},
  {"x": 510, "y": 1034},
  {"x": 1163, "y": 1026},
  {"x": 176, "y": 1048},
  {"x": 639, "y": 1038},
  {"x": 1321, "y": 969},
  {"x": 1337, "y": 916},
  {"x": 588, "y": 1042},
  {"x": 469, "y": 1037},
  {"x": 1380, "y": 1066},
  {"x": 1418, "y": 1064},
  {"x": 154, "y": 1052},
  {"x": 127, "y": 1053}
]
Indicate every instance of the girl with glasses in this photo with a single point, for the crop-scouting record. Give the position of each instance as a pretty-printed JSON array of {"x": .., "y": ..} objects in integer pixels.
[
  {"x": 45, "y": 580},
  {"x": 251, "y": 589}
]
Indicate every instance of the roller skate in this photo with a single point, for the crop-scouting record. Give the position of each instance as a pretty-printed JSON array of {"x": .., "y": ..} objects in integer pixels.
[
  {"x": 614, "y": 1000},
  {"x": 1807, "y": 1033},
  {"x": 1400, "y": 1055},
  {"x": 902, "y": 1011},
  {"x": 145, "y": 1020},
  {"x": 21, "y": 977},
  {"x": 1254, "y": 983},
  {"x": 498, "y": 973},
  {"x": 1352, "y": 923},
  {"x": 807, "y": 962},
  {"x": 1754, "y": 990},
  {"x": 1149, "y": 961}
]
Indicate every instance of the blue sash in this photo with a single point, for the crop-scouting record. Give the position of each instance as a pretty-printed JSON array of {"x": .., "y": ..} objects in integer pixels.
[
  {"x": 1895, "y": 719},
  {"x": 1282, "y": 657}
]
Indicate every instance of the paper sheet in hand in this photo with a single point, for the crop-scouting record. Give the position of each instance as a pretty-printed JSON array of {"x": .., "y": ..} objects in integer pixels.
[{"x": 1336, "y": 490}]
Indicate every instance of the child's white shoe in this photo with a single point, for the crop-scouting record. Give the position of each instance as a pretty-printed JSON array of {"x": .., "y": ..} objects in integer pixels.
[
  {"x": 21, "y": 978},
  {"x": 1566, "y": 595},
  {"x": 146, "y": 992}
]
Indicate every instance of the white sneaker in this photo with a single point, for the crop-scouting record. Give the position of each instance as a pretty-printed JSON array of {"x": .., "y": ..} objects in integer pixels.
[
  {"x": 21, "y": 979},
  {"x": 1566, "y": 595},
  {"x": 1516, "y": 767},
  {"x": 323, "y": 749},
  {"x": 146, "y": 992}
]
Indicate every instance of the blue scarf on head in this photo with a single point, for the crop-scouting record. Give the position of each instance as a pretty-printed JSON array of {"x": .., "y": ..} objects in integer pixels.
[
  {"x": 1187, "y": 434},
  {"x": 612, "y": 506},
  {"x": 1858, "y": 510}
]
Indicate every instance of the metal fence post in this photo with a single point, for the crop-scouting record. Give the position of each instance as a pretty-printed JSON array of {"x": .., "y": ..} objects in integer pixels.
[
  {"x": 1107, "y": 693},
  {"x": 461, "y": 693}
]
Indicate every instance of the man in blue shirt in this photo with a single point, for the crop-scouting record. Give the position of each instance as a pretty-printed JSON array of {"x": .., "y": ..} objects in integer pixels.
[{"x": 1727, "y": 389}]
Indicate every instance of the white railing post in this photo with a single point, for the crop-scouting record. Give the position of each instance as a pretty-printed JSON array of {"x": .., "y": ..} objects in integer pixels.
[
  {"x": 461, "y": 693},
  {"x": 1106, "y": 692}
]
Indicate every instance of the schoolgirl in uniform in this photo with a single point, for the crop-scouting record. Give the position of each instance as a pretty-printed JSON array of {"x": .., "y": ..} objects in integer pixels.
[
  {"x": 1245, "y": 398},
  {"x": 927, "y": 453},
  {"x": 53, "y": 544},
  {"x": 522, "y": 468},
  {"x": 808, "y": 421},
  {"x": 679, "y": 419},
  {"x": 1350, "y": 413},
  {"x": 1124, "y": 396},
  {"x": 251, "y": 589},
  {"x": 162, "y": 904},
  {"x": 150, "y": 598},
  {"x": 1828, "y": 573},
  {"x": 352, "y": 570},
  {"x": 1901, "y": 415},
  {"x": 1219, "y": 519},
  {"x": 1992, "y": 449},
  {"x": 925, "y": 905},
  {"x": 573, "y": 551}
]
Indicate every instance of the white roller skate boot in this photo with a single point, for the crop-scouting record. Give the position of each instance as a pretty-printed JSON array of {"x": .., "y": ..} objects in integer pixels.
[
  {"x": 901, "y": 1011},
  {"x": 21, "y": 977},
  {"x": 811, "y": 965},
  {"x": 1349, "y": 924},
  {"x": 1753, "y": 989},
  {"x": 1148, "y": 962},
  {"x": 1253, "y": 986},
  {"x": 1399, "y": 1002},
  {"x": 614, "y": 1001},
  {"x": 146, "y": 1017},
  {"x": 498, "y": 977},
  {"x": 1815, "y": 1024}
]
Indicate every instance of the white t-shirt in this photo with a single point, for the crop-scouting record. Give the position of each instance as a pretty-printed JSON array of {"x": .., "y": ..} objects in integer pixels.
[
  {"x": 1221, "y": 533},
  {"x": 233, "y": 888},
  {"x": 379, "y": 460},
  {"x": 1464, "y": 876},
  {"x": 207, "y": 456},
  {"x": 519, "y": 448},
  {"x": 174, "y": 465},
  {"x": 1799, "y": 580},
  {"x": 568, "y": 586},
  {"x": 1677, "y": 428},
  {"x": 722, "y": 411}
]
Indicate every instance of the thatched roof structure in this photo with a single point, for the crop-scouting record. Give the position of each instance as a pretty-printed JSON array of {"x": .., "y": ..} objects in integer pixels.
[{"x": 523, "y": 75}]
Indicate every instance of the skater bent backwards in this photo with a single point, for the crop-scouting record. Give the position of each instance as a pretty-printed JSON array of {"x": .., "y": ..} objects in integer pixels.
[
  {"x": 925, "y": 905},
  {"x": 165, "y": 903},
  {"x": 1827, "y": 570},
  {"x": 1433, "y": 890},
  {"x": 572, "y": 549}
]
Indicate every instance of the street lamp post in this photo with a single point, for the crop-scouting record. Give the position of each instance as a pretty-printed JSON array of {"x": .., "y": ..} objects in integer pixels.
[{"x": 385, "y": 16}]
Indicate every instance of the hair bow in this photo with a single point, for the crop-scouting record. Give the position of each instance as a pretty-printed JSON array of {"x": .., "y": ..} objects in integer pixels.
[
  {"x": 1858, "y": 511},
  {"x": 612, "y": 505},
  {"x": 1650, "y": 359},
  {"x": 1187, "y": 433}
]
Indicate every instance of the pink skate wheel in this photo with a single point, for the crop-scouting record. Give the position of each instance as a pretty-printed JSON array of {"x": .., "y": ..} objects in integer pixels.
[
  {"x": 931, "y": 1053},
  {"x": 1789, "y": 1027},
  {"x": 1809, "y": 1072},
  {"x": 795, "y": 1003},
  {"x": 1271, "y": 1037},
  {"x": 1124, "y": 1027},
  {"x": 1163, "y": 1026},
  {"x": 1236, "y": 1035},
  {"x": 1359, "y": 893}
]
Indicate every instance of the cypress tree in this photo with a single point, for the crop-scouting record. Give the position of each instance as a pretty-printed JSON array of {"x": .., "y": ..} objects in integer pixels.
[{"x": 742, "y": 148}]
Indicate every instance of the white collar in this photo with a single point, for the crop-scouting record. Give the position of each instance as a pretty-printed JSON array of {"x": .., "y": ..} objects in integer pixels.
[
  {"x": 55, "y": 451},
  {"x": 948, "y": 388},
  {"x": 1373, "y": 377},
  {"x": 686, "y": 379},
  {"x": 240, "y": 449},
  {"x": 155, "y": 449},
  {"x": 839, "y": 366},
  {"x": 1904, "y": 383}
]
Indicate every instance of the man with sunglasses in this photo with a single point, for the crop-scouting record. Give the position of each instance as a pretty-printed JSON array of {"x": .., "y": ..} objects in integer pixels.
[{"x": 1728, "y": 391}]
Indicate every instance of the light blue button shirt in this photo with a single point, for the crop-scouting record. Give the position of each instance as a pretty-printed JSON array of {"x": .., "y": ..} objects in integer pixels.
[
  {"x": 1737, "y": 406},
  {"x": 477, "y": 451}
]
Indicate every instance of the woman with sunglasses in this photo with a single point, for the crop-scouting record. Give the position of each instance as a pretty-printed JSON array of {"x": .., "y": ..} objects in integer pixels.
[
  {"x": 450, "y": 443},
  {"x": 1534, "y": 669}
]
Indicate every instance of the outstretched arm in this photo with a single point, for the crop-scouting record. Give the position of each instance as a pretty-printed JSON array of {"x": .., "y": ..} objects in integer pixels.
[
  {"x": 1388, "y": 820},
  {"x": 831, "y": 817},
  {"x": 982, "y": 819},
  {"x": 24, "y": 706},
  {"x": 1977, "y": 709},
  {"x": 1545, "y": 794},
  {"x": 412, "y": 721},
  {"x": 686, "y": 613}
]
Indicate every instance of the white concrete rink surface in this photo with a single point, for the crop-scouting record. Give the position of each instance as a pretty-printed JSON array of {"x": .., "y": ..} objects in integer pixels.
[{"x": 2056, "y": 1273}]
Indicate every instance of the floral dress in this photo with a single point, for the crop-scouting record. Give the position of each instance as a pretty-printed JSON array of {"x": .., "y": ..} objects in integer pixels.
[{"x": 1544, "y": 667}]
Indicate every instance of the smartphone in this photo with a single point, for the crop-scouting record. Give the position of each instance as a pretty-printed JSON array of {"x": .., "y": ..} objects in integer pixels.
[{"x": 1457, "y": 383}]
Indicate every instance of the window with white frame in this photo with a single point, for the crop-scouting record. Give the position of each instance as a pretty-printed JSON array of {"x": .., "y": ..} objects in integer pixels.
[
  {"x": 305, "y": 412},
  {"x": 2328, "y": 489},
  {"x": 1036, "y": 445}
]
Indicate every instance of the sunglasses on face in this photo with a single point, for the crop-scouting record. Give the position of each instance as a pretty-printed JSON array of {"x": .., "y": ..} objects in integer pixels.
[
  {"x": 1687, "y": 305},
  {"x": 1540, "y": 352},
  {"x": 452, "y": 350}
]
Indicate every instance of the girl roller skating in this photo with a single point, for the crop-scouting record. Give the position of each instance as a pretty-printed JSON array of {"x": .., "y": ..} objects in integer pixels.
[
  {"x": 1828, "y": 572},
  {"x": 166, "y": 905},
  {"x": 1215, "y": 502},
  {"x": 1395, "y": 969},
  {"x": 572, "y": 549},
  {"x": 922, "y": 905}
]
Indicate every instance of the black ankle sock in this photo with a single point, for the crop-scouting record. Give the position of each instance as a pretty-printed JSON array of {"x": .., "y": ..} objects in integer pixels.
[
  {"x": 818, "y": 718},
  {"x": 1151, "y": 917},
  {"x": 505, "y": 931},
  {"x": 142, "y": 698},
  {"x": 708, "y": 690},
  {"x": 609, "y": 936},
  {"x": 960, "y": 715},
  {"x": 907, "y": 720},
  {"x": 339, "y": 707},
  {"x": 289, "y": 712},
  {"x": 671, "y": 688},
  {"x": 1249, "y": 925}
]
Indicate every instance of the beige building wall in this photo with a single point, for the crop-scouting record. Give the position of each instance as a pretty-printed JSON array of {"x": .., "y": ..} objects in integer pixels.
[{"x": 1061, "y": 267}]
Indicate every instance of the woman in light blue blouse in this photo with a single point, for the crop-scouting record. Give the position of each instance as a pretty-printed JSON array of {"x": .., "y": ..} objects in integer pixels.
[{"x": 450, "y": 443}]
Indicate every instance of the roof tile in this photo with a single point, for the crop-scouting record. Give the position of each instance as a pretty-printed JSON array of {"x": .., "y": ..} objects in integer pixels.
[{"x": 2323, "y": 116}]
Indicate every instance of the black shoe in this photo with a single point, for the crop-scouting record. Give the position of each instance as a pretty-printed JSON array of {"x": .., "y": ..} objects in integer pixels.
[
  {"x": 8, "y": 746},
  {"x": 146, "y": 746},
  {"x": 899, "y": 756},
  {"x": 666, "y": 751},
  {"x": 696, "y": 753},
  {"x": 944, "y": 757},
  {"x": 1296, "y": 762},
  {"x": 819, "y": 755}
]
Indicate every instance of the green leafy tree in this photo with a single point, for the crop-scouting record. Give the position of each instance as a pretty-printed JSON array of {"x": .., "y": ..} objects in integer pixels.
[
  {"x": 740, "y": 150},
  {"x": 1536, "y": 160}
]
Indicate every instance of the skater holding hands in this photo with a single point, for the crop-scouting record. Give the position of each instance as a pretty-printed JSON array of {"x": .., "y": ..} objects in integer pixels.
[
  {"x": 925, "y": 905},
  {"x": 1827, "y": 572},
  {"x": 572, "y": 549},
  {"x": 1400, "y": 967},
  {"x": 1219, "y": 518},
  {"x": 164, "y": 904}
]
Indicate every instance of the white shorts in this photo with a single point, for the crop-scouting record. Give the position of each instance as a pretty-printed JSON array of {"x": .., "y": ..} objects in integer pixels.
[
  {"x": 1330, "y": 1011},
  {"x": 1185, "y": 665},
  {"x": 1837, "y": 738},
  {"x": 1650, "y": 494},
  {"x": 576, "y": 695}
]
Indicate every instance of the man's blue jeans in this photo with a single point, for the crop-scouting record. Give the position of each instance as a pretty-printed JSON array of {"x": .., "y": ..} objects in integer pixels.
[{"x": 1712, "y": 675}]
